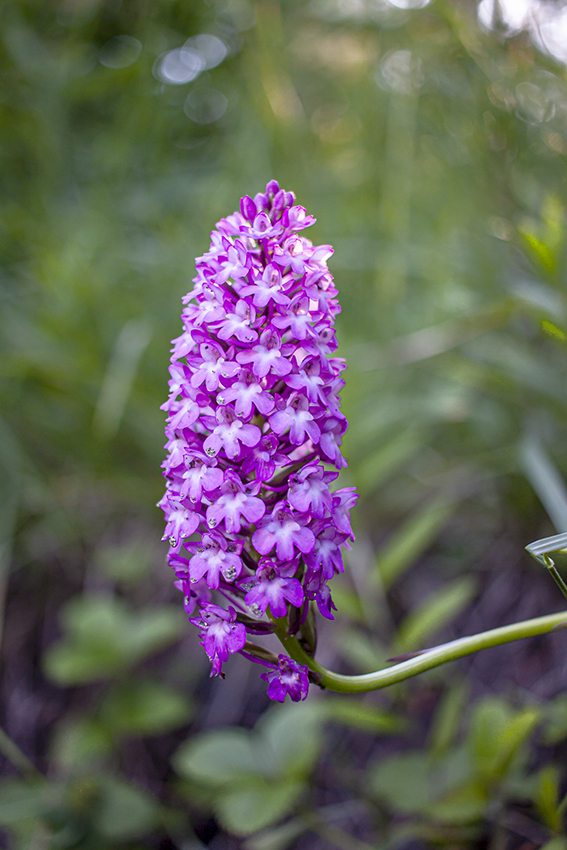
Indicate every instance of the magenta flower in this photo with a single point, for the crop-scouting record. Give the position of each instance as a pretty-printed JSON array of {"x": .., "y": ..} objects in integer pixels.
[
  {"x": 289, "y": 678},
  {"x": 254, "y": 430},
  {"x": 273, "y": 590},
  {"x": 284, "y": 532},
  {"x": 199, "y": 477},
  {"x": 220, "y": 634},
  {"x": 266, "y": 356},
  {"x": 309, "y": 490},
  {"x": 214, "y": 559},
  {"x": 247, "y": 392},
  {"x": 296, "y": 416},
  {"x": 233, "y": 504},
  {"x": 229, "y": 433}
]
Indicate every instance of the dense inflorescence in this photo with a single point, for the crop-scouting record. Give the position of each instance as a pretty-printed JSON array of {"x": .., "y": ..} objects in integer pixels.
[{"x": 253, "y": 431}]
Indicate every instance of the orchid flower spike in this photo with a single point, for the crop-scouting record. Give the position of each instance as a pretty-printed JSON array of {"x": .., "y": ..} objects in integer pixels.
[{"x": 254, "y": 431}]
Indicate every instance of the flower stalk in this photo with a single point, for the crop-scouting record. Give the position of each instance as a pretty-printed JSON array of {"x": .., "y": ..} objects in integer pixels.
[{"x": 421, "y": 661}]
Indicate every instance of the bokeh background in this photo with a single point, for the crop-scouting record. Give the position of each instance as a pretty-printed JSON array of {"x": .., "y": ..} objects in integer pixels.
[{"x": 430, "y": 141}]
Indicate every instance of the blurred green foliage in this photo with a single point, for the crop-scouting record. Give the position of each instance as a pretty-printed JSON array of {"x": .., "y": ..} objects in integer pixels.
[{"x": 432, "y": 152}]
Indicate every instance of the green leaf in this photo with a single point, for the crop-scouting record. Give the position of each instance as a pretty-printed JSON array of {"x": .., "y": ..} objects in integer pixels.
[
  {"x": 257, "y": 805},
  {"x": 124, "y": 811},
  {"x": 21, "y": 800},
  {"x": 434, "y": 614},
  {"x": 223, "y": 757},
  {"x": 447, "y": 719},
  {"x": 496, "y": 734},
  {"x": 540, "y": 251},
  {"x": 128, "y": 564},
  {"x": 285, "y": 743},
  {"x": 80, "y": 739},
  {"x": 546, "y": 797},
  {"x": 257, "y": 775},
  {"x": 412, "y": 539},
  {"x": 143, "y": 707},
  {"x": 547, "y": 482},
  {"x": 363, "y": 715},
  {"x": 363, "y": 651},
  {"x": 555, "y": 726},
  {"x": 463, "y": 805},
  {"x": 382, "y": 463},
  {"x": 277, "y": 838},
  {"x": 553, "y": 331},
  {"x": 403, "y": 782},
  {"x": 541, "y": 549},
  {"x": 103, "y": 638},
  {"x": 292, "y": 734}
]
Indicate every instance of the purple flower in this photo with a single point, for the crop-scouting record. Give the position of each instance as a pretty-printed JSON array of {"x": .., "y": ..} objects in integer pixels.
[
  {"x": 199, "y": 477},
  {"x": 234, "y": 503},
  {"x": 213, "y": 366},
  {"x": 214, "y": 559},
  {"x": 326, "y": 554},
  {"x": 254, "y": 430},
  {"x": 289, "y": 678},
  {"x": 309, "y": 490},
  {"x": 284, "y": 532},
  {"x": 247, "y": 392},
  {"x": 296, "y": 416},
  {"x": 262, "y": 459},
  {"x": 229, "y": 433},
  {"x": 266, "y": 356},
  {"x": 273, "y": 590},
  {"x": 194, "y": 592},
  {"x": 239, "y": 323},
  {"x": 181, "y": 522},
  {"x": 220, "y": 634},
  {"x": 268, "y": 287}
]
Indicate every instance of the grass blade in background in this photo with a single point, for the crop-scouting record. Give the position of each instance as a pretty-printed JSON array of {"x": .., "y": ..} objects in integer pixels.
[{"x": 412, "y": 539}]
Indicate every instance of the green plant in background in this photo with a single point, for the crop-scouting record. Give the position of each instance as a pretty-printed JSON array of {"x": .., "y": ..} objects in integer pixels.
[{"x": 431, "y": 148}]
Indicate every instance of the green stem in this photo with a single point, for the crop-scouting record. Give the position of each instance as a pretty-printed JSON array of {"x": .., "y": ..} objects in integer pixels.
[
  {"x": 558, "y": 580},
  {"x": 21, "y": 762},
  {"x": 425, "y": 660}
]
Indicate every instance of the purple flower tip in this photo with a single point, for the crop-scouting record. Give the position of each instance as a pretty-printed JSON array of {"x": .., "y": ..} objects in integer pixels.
[
  {"x": 254, "y": 430},
  {"x": 288, "y": 678}
]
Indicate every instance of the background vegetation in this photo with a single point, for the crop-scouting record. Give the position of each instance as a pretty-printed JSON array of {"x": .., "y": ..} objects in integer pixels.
[{"x": 431, "y": 147}]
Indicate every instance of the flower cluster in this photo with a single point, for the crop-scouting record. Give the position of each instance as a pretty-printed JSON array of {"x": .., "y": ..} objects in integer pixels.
[{"x": 254, "y": 431}]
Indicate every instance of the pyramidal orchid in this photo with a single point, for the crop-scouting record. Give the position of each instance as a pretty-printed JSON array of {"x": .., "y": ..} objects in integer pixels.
[{"x": 254, "y": 431}]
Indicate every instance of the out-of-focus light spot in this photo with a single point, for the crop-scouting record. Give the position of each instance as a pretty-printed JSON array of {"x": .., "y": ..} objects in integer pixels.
[
  {"x": 409, "y": 4},
  {"x": 338, "y": 52},
  {"x": 239, "y": 13},
  {"x": 514, "y": 14},
  {"x": 400, "y": 72},
  {"x": 211, "y": 49},
  {"x": 532, "y": 104},
  {"x": 550, "y": 30},
  {"x": 179, "y": 66},
  {"x": 356, "y": 10},
  {"x": 120, "y": 51},
  {"x": 205, "y": 105},
  {"x": 545, "y": 20},
  {"x": 184, "y": 64}
]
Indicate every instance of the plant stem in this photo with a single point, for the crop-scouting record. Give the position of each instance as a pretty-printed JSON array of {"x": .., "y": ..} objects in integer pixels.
[
  {"x": 558, "y": 580},
  {"x": 13, "y": 754},
  {"x": 425, "y": 660}
]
